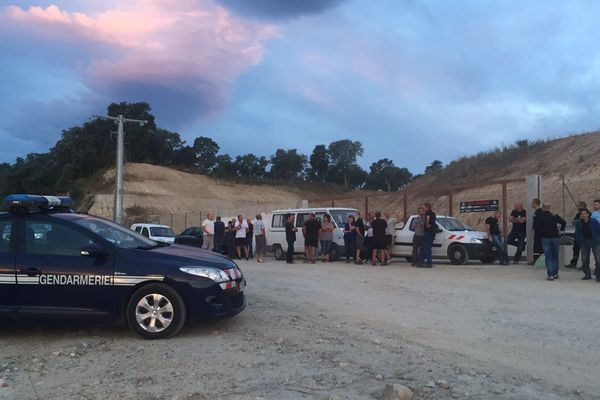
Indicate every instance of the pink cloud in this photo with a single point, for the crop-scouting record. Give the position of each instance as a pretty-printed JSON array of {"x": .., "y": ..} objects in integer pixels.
[{"x": 187, "y": 46}]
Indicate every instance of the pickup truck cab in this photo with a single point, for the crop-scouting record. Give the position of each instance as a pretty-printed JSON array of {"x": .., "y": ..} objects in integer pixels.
[{"x": 454, "y": 240}]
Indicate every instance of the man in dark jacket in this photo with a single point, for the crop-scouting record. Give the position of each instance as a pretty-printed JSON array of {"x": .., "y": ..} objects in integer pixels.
[
  {"x": 290, "y": 237},
  {"x": 546, "y": 225},
  {"x": 219, "y": 235},
  {"x": 587, "y": 234},
  {"x": 518, "y": 233},
  {"x": 429, "y": 231},
  {"x": 537, "y": 239},
  {"x": 573, "y": 264},
  {"x": 379, "y": 227}
]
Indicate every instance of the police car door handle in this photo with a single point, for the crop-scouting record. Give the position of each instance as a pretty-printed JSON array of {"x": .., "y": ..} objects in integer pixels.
[{"x": 31, "y": 272}]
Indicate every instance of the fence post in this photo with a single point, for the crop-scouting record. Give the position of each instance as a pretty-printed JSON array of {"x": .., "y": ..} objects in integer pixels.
[
  {"x": 405, "y": 206},
  {"x": 450, "y": 204}
]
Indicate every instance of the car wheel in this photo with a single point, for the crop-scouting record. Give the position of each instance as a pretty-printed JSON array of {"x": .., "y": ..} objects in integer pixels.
[
  {"x": 409, "y": 259},
  {"x": 458, "y": 254},
  {"x": 278, "y": 252},
  {"x": 334, "y": 253},
  {"x": 156, "y": 311}
]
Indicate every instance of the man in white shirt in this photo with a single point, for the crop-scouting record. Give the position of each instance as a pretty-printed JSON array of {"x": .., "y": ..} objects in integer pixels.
[
  {"x": 260, "y": 238},
  {"x": 390, "y": 233},
  {"x": 208, "y": 229},
  {"x": 241, "y": 242}
]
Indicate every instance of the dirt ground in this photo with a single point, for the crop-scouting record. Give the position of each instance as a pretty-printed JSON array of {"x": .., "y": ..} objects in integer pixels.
[{"x": 336, "y": 331}]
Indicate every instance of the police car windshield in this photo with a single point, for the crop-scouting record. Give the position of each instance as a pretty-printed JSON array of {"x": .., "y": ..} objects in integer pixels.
[
  {"x": 116, "y": 234},
  {"x": 161, "y": 231},
  {"x": 453, "y": 225}
]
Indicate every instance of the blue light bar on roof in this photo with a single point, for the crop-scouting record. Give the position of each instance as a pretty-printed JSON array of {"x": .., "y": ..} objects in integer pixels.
[{"x": 25, "y": 200}]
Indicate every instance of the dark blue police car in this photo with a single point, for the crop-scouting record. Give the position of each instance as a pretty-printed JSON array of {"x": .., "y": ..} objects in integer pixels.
[{"x": 57, "y": 262}]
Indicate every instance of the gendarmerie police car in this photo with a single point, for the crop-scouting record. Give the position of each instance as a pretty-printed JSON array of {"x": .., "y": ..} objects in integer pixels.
[{"x": 56, "y": 262}]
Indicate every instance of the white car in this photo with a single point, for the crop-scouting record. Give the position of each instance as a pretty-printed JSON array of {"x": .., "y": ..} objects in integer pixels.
[
  {"x": 275, "y": 223},
  {"x": 158, "y": 233},
  {"x": 454, "y": 240}
]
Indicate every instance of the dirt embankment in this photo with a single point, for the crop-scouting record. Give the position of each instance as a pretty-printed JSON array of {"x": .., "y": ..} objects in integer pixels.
[
  {"x": 576, "y": 157},
  {"x": 169, "y": 196}
]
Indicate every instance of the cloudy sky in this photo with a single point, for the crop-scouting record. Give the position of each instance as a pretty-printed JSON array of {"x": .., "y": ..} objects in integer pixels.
[{"x": 414, "y": 80}]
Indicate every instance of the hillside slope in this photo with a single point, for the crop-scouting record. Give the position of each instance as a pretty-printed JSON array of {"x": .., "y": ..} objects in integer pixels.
[
  {"x": 576, "y": 157},
  {"x": 160, "y": 194}
]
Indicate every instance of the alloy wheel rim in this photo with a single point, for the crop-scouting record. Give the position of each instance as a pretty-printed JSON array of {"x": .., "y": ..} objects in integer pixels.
[{"x": 154, "y": 313}]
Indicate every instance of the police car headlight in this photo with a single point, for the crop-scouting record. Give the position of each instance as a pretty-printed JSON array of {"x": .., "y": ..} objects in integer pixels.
[
  {"x": 476, "y": 241},
  {"x": 214, "y": 274}
]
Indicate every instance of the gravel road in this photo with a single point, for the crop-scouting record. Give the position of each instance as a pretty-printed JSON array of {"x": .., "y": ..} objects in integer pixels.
[{"x": 336, "y": 331}]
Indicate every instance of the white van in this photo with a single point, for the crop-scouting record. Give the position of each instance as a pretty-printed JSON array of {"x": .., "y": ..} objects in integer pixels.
[
  {"x": 275, "y": 223},
  {"x": 158, "y": 233}
]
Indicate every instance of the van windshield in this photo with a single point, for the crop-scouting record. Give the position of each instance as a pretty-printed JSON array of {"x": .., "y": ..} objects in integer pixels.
[
  {"x": 340, "y": 217},
  {"x": 453, "y": 225},
  {"x": 161, "y": 231}
]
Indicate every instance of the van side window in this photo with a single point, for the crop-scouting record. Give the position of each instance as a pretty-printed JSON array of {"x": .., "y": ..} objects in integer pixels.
[
  {"x": 145, "y": 232},
  {"x": 278, "y": 221},
  {"x": 301, "y": 219},
  {"x": 138, "y": 229}
]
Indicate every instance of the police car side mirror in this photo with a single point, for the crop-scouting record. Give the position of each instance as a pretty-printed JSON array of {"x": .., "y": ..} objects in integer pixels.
[
  {"x": 438, "y": 229},
  {"x": 92, "y": 250}
]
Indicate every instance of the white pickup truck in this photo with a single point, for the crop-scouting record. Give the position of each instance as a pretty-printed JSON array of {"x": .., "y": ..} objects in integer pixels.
[{"x": 454, "y": 240}]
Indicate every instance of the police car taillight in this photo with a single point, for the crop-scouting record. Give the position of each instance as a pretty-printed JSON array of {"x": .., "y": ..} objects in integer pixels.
[{"x": 26, "y": 201}]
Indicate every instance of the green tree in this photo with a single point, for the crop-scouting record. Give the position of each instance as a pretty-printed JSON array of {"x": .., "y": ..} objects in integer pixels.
[
  {"x": 251, "y": 166},
  {"x": 224, "y": 167},
  {"x": 287, "y": 165},
  {"x": 434, "y": 167},
  {"x": 343, "y": 155},
  {"x": 384, "y": 175},
  {"x": 318, "y": 164},
  {"x": 206, "y": 154}
]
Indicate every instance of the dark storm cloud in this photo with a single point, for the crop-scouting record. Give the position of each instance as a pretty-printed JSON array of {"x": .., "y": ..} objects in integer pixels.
[{"x": 275, "y": 9}]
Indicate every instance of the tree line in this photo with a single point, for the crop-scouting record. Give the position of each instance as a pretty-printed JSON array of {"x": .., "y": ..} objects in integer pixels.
[{"x": 84, "y": 150}]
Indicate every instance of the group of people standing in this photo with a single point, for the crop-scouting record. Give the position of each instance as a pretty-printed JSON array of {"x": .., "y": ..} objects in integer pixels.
[
  {"x": 546, "y": 228},
  {"x": 367, "y": 239},
  {"x": 235, "y": 239}
]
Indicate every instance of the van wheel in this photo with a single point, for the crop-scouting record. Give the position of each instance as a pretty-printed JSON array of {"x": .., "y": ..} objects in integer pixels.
[
  {"x": 334, "y": 253},
  {"x": 458, "y": 254},
  {"x": 278, "y": 252},
  {"x": 156, "y": 311}
]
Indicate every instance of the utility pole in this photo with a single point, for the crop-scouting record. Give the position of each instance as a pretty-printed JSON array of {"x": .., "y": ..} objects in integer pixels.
[{"x": 118, "y": 204}]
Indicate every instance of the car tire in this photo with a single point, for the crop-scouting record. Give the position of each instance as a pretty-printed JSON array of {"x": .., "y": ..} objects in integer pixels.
[
  {"x": 156, "y": 311},
  {"x": 334, "y": 253},
  {"x": 458, "y": 255},
  {"x": 278, "y": 252},
  {"x": 408, "y": 258}
]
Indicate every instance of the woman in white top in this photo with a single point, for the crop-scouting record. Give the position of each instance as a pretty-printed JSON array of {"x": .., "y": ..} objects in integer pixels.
[{"x": 241, "y": 227}]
